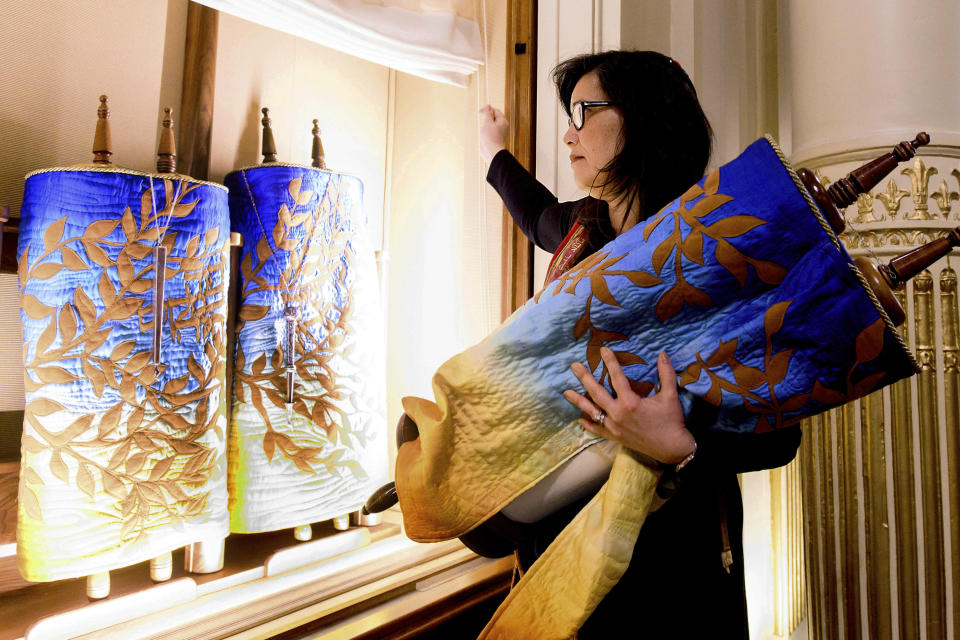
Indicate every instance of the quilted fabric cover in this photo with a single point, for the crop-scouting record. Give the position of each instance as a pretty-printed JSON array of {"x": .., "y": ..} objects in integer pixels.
[
  {"x": 123, "y": 458},
  {"x": 305, "y": 245},
  {"x": 740, "y": 281}
]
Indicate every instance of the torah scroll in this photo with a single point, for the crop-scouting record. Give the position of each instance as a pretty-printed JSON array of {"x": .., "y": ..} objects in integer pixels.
[
  {"x": 123, "y": 294},
  {"x": 308, "y": 434}
]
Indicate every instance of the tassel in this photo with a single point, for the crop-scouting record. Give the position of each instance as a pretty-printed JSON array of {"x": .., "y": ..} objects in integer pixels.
[
  {"x": 159, "y": 279},
  {"x": 290, "y": 315}
]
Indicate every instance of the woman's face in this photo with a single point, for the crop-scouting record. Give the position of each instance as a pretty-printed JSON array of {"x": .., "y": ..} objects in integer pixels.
[{"x": 595, "y": 145}]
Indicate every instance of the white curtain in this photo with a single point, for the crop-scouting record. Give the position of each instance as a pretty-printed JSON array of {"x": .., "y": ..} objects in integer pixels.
[{"x": 412, "y": 36}]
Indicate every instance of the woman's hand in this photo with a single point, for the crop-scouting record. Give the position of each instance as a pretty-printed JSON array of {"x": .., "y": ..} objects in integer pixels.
[
  {"x": 494, "y": 128},
  {"x": 653, "y": 425}
]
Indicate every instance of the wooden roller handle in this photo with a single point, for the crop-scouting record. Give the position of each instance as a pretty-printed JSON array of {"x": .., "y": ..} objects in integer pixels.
[
  {"x": 884, "y": 278},
  {"x": 842, "y": 193},
  {"x": 167, "y": 150},
  {"x": 906, "y": 266},
  {"x": 102, "y": 143},
  {"x": 268, "y": 148},
  {"x": 845, "y": 190}
]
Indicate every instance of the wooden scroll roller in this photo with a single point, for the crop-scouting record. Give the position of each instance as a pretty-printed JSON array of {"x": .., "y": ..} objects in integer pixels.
[
  {"x": 167, "y": 149},
  {"x": 166, "y": 163},
  {"x": 102, "y": 144},
  {"x": 844, "y": 192},
  {"x": 883, "y": 278},
  {"x": 268, "y": 147},
  {"x": 204, "y": 556},
  {"x": 161, "y": 567}
]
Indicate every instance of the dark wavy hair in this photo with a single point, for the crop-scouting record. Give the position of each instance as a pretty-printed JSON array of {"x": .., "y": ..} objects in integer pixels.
[{"x": 666, "y": 136}]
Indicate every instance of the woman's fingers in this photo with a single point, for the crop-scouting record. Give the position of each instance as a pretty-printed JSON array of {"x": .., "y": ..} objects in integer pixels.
[
  {"x": 618, "y": 379},
  {"x": 577, "y": 400},
  {"x": 589, "y": 410},
  {"x": 668, "y": 376},
  {"x": 597, "y": 393},
  {"x": 491, "y": 112},
  {"x": 653, "y": 425}
]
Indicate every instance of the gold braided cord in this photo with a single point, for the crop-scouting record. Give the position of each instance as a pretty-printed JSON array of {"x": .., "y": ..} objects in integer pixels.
[
  {"x": 295, "y": 165},
  {"x": 815, "y": 210},
  {"x": 83, "y": 168}
]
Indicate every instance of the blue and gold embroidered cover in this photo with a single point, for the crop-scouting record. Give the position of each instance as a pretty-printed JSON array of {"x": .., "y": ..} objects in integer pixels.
[
  {"x": 314, "y": 451},
  {"x": 123, "y": 455}
]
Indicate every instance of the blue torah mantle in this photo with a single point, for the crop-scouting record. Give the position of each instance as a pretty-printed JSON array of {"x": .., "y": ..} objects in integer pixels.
[
  {"x": 314, "y": 451},
  {"x": 748, "y": 290},
  {"x": 123, "y": 454},
  {"x": 740, "y": 280}
]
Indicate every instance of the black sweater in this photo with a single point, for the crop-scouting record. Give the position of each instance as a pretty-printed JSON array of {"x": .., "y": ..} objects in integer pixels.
[{"x": 675, "y": 585}]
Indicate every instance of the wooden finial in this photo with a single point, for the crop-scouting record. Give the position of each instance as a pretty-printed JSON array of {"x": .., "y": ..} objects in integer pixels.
[
  {"x": 102, "y": 144},
  {"x": 317, "y": 153},
  {"x": 845, "y": 190},
  {"x": 884, "y": 278},
  {"x": 269, "y": 147},
  {"x": 167, "y": 151},
  {"x": 906, "y": 266},
  {"x": 843, "y": 193}
]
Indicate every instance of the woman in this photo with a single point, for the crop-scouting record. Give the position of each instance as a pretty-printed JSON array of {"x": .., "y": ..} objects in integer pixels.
[{"x": 638, "y": 138}]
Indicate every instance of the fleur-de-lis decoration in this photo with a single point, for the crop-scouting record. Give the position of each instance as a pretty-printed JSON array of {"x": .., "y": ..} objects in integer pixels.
[
  {"x": 891, "y": 198},
  {"x": 919, "y": 175},
  {"x": 865, "y": 212},
  {"x": 943, "y": 197}
]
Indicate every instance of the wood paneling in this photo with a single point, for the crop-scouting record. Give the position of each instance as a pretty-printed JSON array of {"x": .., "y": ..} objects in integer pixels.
[
  {"x": 196, "y": 107},
  {"x": 521, "y": 101}
]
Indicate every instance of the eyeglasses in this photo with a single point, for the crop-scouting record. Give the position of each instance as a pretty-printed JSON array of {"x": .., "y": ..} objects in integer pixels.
[{"x": 578, "y": 111}]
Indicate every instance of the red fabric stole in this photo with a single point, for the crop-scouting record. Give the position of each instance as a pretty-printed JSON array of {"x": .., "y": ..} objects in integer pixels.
[{"x": 567, "y": 253}]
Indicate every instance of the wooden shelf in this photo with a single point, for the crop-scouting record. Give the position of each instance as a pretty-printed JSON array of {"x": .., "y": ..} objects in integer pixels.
[{"x": 245, "y": 570}]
